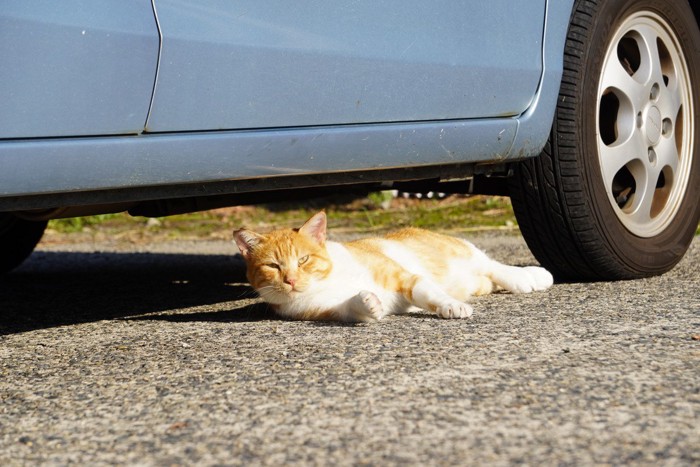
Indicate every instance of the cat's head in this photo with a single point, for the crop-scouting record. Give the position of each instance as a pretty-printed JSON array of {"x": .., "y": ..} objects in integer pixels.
[{"x": 283, "y": 264}]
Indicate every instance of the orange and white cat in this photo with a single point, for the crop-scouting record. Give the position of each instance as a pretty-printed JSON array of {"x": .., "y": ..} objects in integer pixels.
[{"x": 304, "y": 276}]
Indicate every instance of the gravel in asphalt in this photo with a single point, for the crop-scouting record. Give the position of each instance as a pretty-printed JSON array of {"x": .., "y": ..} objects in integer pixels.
[{"x": 160, "y": 355}]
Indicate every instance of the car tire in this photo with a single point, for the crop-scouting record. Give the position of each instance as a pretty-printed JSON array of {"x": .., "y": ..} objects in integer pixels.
[
  {"x": 615, "y": 193},
  {"x": 18, "y": 237}
]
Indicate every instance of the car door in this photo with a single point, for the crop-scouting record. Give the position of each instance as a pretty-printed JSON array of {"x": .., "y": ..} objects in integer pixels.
[
  {"x": 76, "y": 67},
  {"x": 251, "y": 64}
]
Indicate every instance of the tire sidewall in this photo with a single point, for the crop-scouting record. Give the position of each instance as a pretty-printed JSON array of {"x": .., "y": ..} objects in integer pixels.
[{"x": 652, "y": 255}]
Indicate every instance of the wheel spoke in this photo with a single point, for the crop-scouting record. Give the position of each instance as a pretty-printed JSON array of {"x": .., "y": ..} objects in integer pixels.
[
  {"x": 617, "y": 77},
  {"x": 650, "y": 70},
  {"x": 615, "y": 157},
  {"x": 670, "y": 92},
  {"x": 667, "y": 154},
  {"x": 645, "y": 180},
  {"x": 669, "y": 104},
  {"x": 661, "y": 72}
]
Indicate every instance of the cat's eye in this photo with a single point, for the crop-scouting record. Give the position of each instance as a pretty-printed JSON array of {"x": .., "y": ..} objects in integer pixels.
[
  {"x": 273, "y": 266},
  {"x": 303, "y": 259}
]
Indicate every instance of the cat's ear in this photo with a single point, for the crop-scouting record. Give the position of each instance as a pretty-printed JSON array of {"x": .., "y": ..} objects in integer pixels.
[
  {"x": 316, "y": 227},
  {"x": 246, "y": 240}
]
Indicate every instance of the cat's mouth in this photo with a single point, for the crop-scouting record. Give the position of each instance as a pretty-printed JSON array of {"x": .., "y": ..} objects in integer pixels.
[
  {"x": 292, "y": 289},
  {"x": 279, "y": 294}
]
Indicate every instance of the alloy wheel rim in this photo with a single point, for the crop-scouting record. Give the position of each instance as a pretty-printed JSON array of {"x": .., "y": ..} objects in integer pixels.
[{"x": 644, "y": 123}]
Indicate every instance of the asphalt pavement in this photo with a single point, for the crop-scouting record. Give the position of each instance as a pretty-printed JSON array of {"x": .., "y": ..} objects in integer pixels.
[{"x": 160, "y": 355}]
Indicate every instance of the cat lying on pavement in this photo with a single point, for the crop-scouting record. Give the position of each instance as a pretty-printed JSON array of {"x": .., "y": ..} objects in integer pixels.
[{"x": 304, "y": 276}]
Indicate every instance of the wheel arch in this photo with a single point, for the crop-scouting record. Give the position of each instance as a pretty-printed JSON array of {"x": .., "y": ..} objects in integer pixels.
[{"x": 535, "y": 123}]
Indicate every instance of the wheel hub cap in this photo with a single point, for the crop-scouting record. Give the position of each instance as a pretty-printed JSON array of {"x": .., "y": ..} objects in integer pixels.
[{"x": 652, "y": 125}]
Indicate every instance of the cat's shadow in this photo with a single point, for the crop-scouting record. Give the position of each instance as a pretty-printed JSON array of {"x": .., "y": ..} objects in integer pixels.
[
  {"x": 67, "y": 288},
  {"x": 248, "y": 313},
  {"x": 64, "y": 288}
]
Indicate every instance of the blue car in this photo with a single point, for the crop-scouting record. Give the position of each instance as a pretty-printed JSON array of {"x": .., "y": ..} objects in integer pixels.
[{"x": 584, "y": 112}]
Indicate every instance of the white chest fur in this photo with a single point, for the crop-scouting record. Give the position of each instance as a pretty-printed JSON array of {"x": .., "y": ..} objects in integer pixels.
[{"x": 347, "y": 278}]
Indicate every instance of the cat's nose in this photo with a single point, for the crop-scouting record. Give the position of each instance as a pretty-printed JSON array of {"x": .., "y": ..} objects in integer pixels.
[{"x": 291, "y": 281}]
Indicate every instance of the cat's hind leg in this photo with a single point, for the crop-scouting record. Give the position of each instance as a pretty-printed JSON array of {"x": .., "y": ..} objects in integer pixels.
[
  {"x": 543, "y": 278},
  {"x": 427, "y": 295},
  {"x": 512, "y": 278},
  {"x": 520, "y": 279}
]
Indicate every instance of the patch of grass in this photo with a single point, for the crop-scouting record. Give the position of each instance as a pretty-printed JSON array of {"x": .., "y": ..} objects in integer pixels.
[
  {"x": 452, "y": 214},
  {"x": 80, "y": 224},
  {"x": 361, "y": 215}
]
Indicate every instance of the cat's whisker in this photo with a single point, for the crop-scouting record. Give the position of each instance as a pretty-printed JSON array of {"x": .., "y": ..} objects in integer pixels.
[
  {"x": 268, "y": 291},
  {"x": 265, "y": 289},
  {"x": 248, "y": 293}
]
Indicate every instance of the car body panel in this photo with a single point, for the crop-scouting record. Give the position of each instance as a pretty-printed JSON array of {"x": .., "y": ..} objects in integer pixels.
[
  {"x": 35, "y": 172},
  {"x": 150, "y": 160},
  {"x": 247, "y": 64},
  {"x": 76, "y": 67}
]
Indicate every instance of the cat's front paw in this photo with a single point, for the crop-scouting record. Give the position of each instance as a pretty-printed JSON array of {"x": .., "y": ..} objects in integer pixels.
[
  {"x": 454, "y": 309},
  {"x": 366, "y": 306}
]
